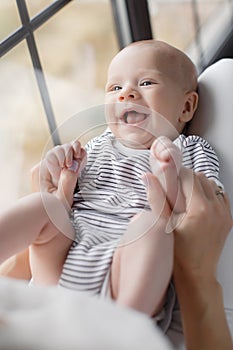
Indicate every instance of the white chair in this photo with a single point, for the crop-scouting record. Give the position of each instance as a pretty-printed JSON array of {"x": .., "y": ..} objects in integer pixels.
[{"x": 214, "y": 122}]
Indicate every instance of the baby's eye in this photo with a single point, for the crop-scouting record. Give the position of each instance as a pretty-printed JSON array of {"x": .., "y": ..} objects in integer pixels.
[
  {"x": 147, "y": 83},
  {"x": 116, "y": 88},
  {"x": 112, "y": 87}
]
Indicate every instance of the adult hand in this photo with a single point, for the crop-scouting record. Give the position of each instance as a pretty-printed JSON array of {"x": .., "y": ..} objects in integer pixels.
[
  {"x": 199, "y": 240},
  {"x": 200, "y": 231},
  {"x": 200, "y": 234}
]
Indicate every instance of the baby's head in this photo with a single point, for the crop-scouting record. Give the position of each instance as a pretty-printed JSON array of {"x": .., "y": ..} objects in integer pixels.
[{"x": 146, "y": 80}]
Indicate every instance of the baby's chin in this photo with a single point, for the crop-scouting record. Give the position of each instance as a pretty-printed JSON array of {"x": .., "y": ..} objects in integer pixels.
[
  {"x": 133, "y": 136},
  {"x": 137, "y": 143},
  {"x": 144, "y": 140}
]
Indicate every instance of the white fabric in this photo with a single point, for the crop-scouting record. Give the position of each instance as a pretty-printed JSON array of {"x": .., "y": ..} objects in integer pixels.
[{"x": 51, "y": 318}]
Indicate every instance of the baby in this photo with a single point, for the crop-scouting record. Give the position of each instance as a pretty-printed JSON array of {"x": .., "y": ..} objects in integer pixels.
[{"x": 150, "y": 96}]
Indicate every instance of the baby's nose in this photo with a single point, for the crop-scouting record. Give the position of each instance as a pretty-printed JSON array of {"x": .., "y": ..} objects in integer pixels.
[{"x": 128, "y": 94}]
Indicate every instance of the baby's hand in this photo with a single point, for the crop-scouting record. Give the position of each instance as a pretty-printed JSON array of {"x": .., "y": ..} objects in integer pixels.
[{"x": 70, "y": 156}]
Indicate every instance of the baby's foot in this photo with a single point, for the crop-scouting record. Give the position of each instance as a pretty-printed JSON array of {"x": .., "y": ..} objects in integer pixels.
[{"x": 166, "y": 161}]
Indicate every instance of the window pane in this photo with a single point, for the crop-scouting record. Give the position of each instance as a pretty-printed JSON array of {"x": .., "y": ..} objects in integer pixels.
[
  {"x": 23, "y": 128},
  {"x": 172, "y": 21},
  {"x": 76, "y": 47},
  {"x": 214, "y": 18},
  {"x": 188, "y": 27},
  {"x": 36, "y": 6},
  {"x": 9, "y": 19}
]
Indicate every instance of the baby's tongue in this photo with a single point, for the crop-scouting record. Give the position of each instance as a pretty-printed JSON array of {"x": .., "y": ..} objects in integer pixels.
[{"x": 134, "y": 117}]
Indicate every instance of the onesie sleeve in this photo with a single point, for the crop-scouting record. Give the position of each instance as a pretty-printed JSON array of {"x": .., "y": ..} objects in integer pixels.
[{"x": 199, "y": 156}]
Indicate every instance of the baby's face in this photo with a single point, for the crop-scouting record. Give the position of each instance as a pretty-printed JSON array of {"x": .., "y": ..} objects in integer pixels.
[{"x": 143, "y": 98}]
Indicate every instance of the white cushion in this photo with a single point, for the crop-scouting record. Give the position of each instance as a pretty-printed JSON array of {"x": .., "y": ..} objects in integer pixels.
[
  {"x": 45, "y": 318},
  {"x": 214, "y": 122}
]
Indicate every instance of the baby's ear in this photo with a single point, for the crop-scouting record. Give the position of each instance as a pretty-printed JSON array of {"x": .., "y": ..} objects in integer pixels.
[{"x": 190, "y": 106}]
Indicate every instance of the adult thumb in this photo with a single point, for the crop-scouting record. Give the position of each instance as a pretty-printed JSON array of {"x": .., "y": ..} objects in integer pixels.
[
  {"x": 156, "y": 196},
  {"x": 157, "y": 200}
]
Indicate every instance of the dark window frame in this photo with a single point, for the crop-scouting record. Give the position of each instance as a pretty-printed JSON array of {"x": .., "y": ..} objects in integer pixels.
[
  {"x": 26, "y": 32},
  {"x": 132, "y": 21}
]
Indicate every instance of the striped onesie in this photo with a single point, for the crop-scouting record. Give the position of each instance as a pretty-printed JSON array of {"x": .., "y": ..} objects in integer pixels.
[{"x": 109, "y": 192}]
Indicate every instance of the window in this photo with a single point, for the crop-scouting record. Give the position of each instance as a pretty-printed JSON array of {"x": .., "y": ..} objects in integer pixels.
[
  {"x": 8, "y": 26},
  {"x": 74, "y": 48},
  {"x": 196, "y": 26}
]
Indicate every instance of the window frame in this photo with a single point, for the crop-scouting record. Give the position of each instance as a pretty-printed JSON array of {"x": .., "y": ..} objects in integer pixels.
[{"x": 26, "y": 32}]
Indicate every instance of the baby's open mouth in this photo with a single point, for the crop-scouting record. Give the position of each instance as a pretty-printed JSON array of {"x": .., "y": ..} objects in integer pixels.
[{"x": 133, "y": 117}]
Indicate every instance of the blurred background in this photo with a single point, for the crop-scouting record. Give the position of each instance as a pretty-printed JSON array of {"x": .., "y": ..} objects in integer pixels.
[{"x": 75, "y": 45}]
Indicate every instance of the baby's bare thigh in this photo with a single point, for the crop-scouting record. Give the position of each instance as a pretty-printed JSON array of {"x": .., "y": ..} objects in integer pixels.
[
  {"x": 49, "y": 250},
  {"x": 145, "y": 251}
]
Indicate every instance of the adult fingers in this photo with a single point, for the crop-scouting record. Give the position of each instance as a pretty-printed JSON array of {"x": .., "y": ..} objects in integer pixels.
[
  {"x": 209, "y": 186},
  {"x": 186, "y": 191},
  {"x": 219, "y": 201}
]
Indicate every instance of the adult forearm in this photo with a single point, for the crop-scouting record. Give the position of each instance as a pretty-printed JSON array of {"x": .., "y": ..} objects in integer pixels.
[{"x": 203, "y": 316}]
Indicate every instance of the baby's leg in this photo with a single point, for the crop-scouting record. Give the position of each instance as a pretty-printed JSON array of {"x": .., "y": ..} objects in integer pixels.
[
  {"x": 143, "y": 262},
  {"x": 142, "y": 265},
  {"x": 166, "y": 161},
  {"x": 37, "y": 220},
  {"x": 142, "y": 268}
]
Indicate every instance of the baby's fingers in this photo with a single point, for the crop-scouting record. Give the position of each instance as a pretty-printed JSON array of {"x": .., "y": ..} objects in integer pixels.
[
  {"x": 79, "y": 157},
  {"x": 77, "y": 149},
  {"x": 62, "y": 156},
  {"x": 57, "y": 159},
  {"x": 69, "y": 154}
]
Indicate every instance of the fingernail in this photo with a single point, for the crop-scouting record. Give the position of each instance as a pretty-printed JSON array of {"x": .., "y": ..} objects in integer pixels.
[{"x": 74, "y": 167}]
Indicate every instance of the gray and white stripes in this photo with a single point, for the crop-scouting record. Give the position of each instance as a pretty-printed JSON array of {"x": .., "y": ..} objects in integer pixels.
[{"x": 109, "y": 192}]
